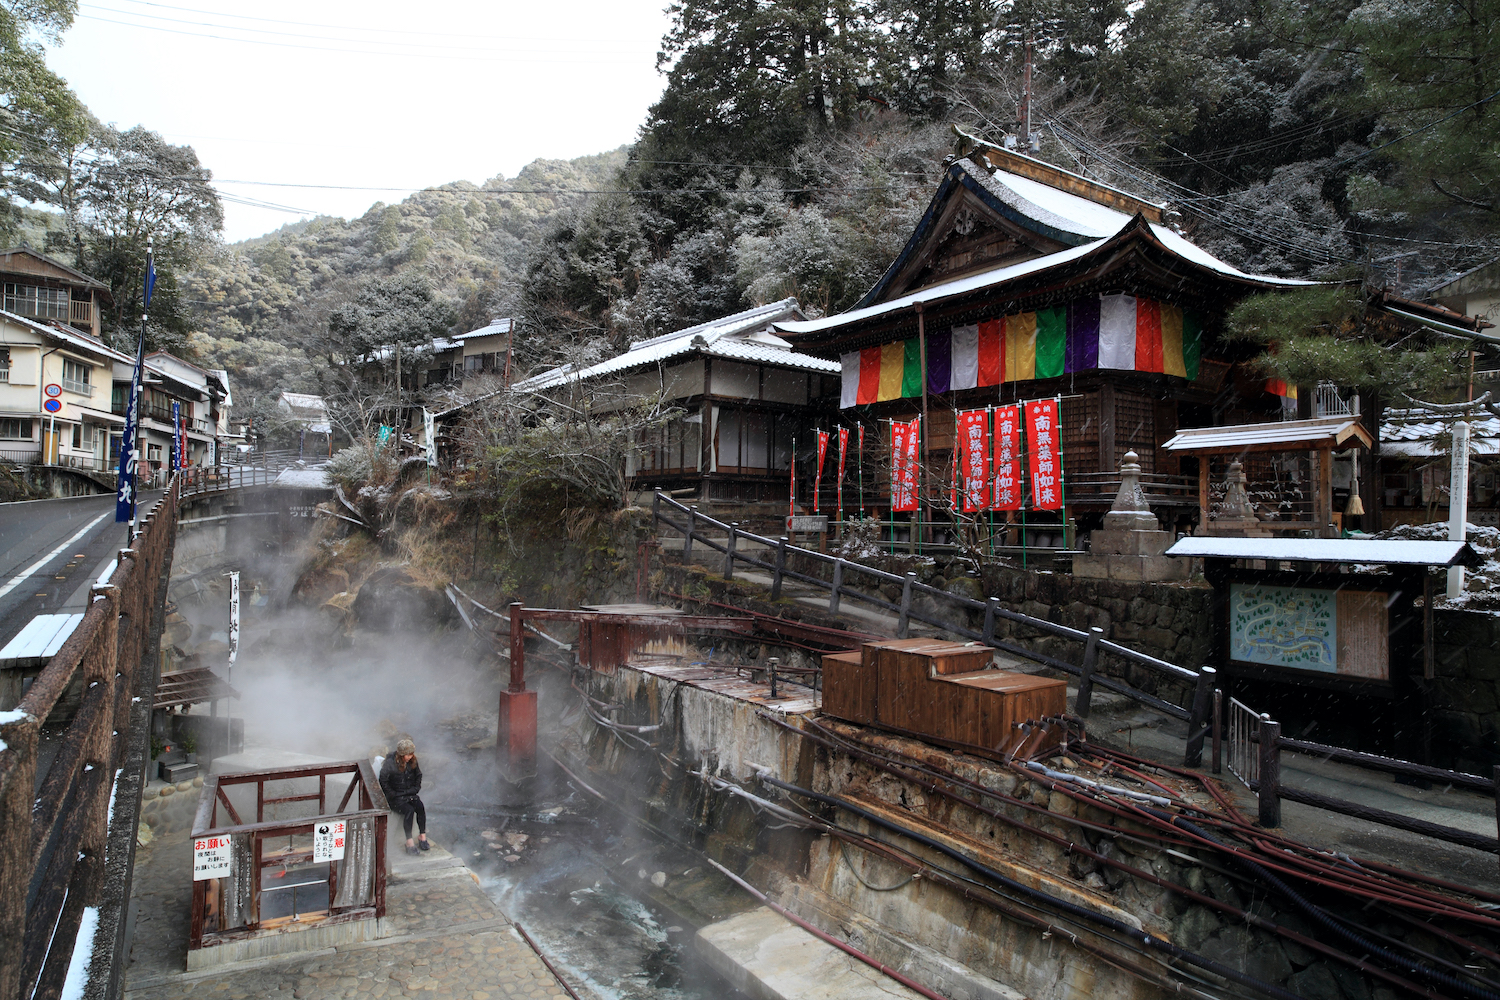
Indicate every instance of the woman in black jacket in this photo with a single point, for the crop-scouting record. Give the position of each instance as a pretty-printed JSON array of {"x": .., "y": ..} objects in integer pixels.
[{"x": 401, "y": 780}]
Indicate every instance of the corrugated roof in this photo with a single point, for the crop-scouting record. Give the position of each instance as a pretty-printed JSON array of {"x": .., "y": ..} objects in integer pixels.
[
  {"x": 74, "y": 337},
  {"x": 498, "y": 325},
  {"x": 740, "y": 337},
  {"x": 1317, "y": 432},
  {"x": 1419, "y": 433},
  {"x": 1368, "y": 551}
]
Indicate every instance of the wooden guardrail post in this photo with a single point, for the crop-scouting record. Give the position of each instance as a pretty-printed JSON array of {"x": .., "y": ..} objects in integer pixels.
[
  {"x": 1269, "y": 790},
  {"x": 729, "y": 550},
  {"x": 838, "y": 585},
  {"x": 17, "y": 787},
  {"x": 989, "y": 619},
  {"x": 1086, "y": 677},
  {"x": 905, "y": 620},
  {"x": 687, "y": 544},
  {"x": 655, "y": 507},
  {"x": 1496, "y": 774},
  {"x": 781, "y": 544},
  {"x": 1203, "y": 696}
]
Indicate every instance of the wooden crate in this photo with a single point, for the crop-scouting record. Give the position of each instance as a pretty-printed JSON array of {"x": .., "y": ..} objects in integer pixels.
[
  {"x": 904, "y": 669},
  {"x": 848, "y": 687},
  {"x": 981, "y": 708}
]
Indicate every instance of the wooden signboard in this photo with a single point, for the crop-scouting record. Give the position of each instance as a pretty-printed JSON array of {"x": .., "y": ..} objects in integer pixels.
[{"x": 1331, "y": 631}]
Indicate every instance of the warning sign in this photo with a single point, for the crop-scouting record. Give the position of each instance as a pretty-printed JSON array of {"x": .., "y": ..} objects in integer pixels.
[
  {"x": 328, "y": 841},
  {"x": 210, "y": 858}
]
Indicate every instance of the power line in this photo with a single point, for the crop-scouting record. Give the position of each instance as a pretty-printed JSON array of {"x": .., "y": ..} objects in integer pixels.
[
  {"x": 404, "y": 32},
  {"x": 445, "y": 55}
]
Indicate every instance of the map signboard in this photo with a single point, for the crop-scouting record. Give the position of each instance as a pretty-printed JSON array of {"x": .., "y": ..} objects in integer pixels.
[{"x": 1333, "y": 631}]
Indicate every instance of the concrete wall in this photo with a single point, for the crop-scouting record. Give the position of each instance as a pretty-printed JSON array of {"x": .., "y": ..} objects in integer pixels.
[{"x": 1465, "y": 691}]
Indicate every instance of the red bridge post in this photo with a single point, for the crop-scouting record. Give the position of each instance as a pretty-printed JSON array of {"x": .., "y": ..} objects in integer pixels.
[{"x": 515, "y": 739}]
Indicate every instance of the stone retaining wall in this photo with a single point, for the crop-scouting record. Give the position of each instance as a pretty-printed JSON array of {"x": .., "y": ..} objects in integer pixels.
[{"x": 1465, "y": 691}]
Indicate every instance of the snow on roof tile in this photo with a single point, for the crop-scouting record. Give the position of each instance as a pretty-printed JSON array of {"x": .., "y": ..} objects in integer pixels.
[
  {"x": 1051, "y": 207},
  {"x": 740, "y": 337}
]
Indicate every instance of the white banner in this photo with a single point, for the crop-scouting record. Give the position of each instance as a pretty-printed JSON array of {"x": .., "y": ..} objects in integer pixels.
[
  {"x": 234, "y": 616},
  {"x": 429, "y": 431}
]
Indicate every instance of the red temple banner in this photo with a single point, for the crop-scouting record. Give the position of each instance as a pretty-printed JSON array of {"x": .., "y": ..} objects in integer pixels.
[
  {"x": 904, "y": 443},
  {"x": 818, "y": 475},
  {"x": 1046, "y": 461},
  {"x": 974, "y": 446},
  {"x": 1007, "y": 491},
  {"x": 843, "y": 455}
]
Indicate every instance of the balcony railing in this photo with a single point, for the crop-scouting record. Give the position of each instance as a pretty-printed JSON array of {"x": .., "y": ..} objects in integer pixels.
[
  {"x": 81, "y": 313},
  {"x": 82, "y": 388}
]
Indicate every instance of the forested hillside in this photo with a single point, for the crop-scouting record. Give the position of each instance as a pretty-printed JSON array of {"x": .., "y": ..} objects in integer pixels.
[{"x": 795, "y": 144}]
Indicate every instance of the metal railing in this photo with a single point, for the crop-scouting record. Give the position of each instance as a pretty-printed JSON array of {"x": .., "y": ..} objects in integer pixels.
[
  {"x": 1255, "y": 748},
  {"x": 1092, "y": 641},
  {"x": 55, "y": 810},
  {"x": 218, "y": 478}
]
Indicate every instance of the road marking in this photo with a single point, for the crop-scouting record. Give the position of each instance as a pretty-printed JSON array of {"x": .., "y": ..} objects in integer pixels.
[{"x": 29, "y": 571}]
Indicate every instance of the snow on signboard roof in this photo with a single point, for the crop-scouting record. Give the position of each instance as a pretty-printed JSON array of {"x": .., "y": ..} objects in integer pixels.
[
  {"x": 1367, "y": 551},
  {"x": 743, "y": 336},
  {"x": 1275, "y": 435}
]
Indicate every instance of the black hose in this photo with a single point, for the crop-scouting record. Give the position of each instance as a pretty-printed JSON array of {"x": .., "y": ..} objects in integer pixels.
[
  {"x": 1081, "y": 912},
  {"x": 1326, "y": 920}
]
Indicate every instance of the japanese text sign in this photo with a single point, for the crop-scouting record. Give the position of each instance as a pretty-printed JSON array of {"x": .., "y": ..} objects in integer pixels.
[
  {"x": 1007, "y": 491},
  {"x": 904, "y": 464},
  {"x": 974, "y": 447},
  {"x": 211, "y": 856},
  {"x": 328, "y": 840},
  {"x": 1046, "y": 456}
]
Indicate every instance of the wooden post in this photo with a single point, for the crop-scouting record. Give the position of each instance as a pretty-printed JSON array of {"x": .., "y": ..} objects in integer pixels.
[
  {"x": 1086, "y": 679},
  {"x": 729, "y": 550},
  {"x": 1324, "y": 512},
  {"x": 989, "y": 619},
  {"x": 16, "y": 794},
  {"x": 1203, "y": 463},
  {"x": 905, "y": 619},
  {"x": 780, "y": 567},
  {"x": 692, "y": 526},
  {"x": 1218, "y": 731},
  {"x": 838, "y": 584},
  {"x": 1269, "y": 791},
  {"x": 1203, "y": 696},
  {"x": 515, "y": 740},
  {"x": 924, "y": 431}
]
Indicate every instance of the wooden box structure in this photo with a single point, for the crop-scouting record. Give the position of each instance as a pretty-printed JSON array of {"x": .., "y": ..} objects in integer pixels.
[
  {"x": 237, "y": 912},
  {"x": 945, "y": 692}
]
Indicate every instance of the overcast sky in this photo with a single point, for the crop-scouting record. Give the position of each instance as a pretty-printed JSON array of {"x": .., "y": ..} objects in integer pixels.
[{"x": 373, "y": 94}]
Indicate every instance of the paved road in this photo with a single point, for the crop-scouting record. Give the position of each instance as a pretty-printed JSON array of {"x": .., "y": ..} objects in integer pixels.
[{"x": 51, "y": 551}]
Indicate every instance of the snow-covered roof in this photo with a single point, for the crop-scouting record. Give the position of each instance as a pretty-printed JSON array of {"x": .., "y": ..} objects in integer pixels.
[
  {"x": 1419, "y": 433},
  {"x": 1001, "y": 275},
  {"x": 1368, "y": 551},
  {"x": 744, "y": 336},
  {"x": 1052, "y": 208},
  {"x": 69, "y": 336},
  {"x": 1278, "y": 435},
  {"x": 498, "y": 325}
]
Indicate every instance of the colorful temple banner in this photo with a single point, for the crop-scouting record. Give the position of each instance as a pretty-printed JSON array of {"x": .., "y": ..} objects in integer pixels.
[
  {"x": 1121, "y": 332},
  {"x": 904, "y": 442},
  {"x": 1046, "y": 461},
  {"x": 974, "y": 445},
  {"x": 1007, "y": 491}
]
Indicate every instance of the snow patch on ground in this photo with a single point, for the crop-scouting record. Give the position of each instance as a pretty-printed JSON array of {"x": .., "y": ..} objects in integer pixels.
[
  {"x": 1481, "y": 585},
  {"x": 83, "y": 955}
]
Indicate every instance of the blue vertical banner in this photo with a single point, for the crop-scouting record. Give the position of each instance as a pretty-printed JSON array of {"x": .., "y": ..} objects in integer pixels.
[
  {"x": 125, "y": 484},
  {"x": 176, "y": 436}
]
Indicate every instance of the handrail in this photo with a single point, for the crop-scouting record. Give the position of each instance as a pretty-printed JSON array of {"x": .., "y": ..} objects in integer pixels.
[
  {"x": 58, "y": 844},
  {"x": 1094, "y": 643}
]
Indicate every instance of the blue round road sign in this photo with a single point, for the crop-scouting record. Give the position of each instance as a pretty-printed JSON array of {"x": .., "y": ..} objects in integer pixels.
[{"x": 52, "y": 405}]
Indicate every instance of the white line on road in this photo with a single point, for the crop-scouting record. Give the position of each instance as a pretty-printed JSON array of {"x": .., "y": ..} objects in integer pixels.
[{"x": 36, "y": 567}]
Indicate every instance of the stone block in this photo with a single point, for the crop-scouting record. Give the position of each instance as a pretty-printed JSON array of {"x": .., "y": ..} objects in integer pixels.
[
  {"x": 1091, "y": 567},
  {"x": 1130, "y": 543}
]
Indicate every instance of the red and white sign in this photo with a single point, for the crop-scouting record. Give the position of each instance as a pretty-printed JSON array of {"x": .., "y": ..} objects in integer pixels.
[
  {"x": 974, "y": 447},
  {"x": 818, "y": 475},
  {"x": 53, "y": 390},
  {"x": 211, "y": 856},
  {"x": 1007, "y": 491},
  {"x": 328, "y": 840},
  {"x": 1046, "y": 457},
  {"x": 904, "y": 443}
]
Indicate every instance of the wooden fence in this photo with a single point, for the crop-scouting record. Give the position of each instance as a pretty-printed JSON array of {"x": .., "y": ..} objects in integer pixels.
[
  {"x": 952, "y": 616},
  {"x": 54, "y": 818}
]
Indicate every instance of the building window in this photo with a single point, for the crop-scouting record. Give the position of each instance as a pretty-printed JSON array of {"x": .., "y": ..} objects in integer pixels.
[
  {"x": 76, "y": 376},
  {"x": 43, "y": 303},
  {"x": 4, "y": 364},
  {"x": 15, "y": 429}
]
